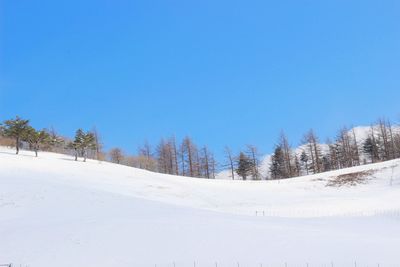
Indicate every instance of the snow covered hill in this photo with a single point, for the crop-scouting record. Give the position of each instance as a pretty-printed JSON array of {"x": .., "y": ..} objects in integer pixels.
[{"x": 58, "y": 212}]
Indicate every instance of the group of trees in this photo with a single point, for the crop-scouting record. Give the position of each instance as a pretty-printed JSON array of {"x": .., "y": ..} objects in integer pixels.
[
  {"x": 82, "y": 144},
  {"x": 381, "y": 143},
  {"x": 185, "y": 158},
  {"x": 287, "y": 163},
  {"x": 22, "y": 133},
  {"x": 170, "y": 157},
  {"x": 246, "y": 165}
]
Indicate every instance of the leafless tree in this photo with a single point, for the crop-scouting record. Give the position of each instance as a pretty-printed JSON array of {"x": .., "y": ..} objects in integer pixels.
[
  {"x": 231, "y": 161},
  {"x": 116, "y": 155}
]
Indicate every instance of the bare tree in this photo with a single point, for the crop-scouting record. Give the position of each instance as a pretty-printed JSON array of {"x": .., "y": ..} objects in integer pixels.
[
  {"x": 231, "y": 161},
  {"x": 116, "y": 155},
  {"x": 205, "y": 169},
  {"x": 99, "y": 144},
  {"x": 175, "y": 155},
  {"x": 313, "y": 151},
  {"x": 253, "y": 154},
  {"x": 287, "y": 155},
  {"x": 189, "y": 154}
]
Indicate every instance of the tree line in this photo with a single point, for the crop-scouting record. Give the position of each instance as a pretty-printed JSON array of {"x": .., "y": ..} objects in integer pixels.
[
  {"x": 18, "y": 132},
  {"x": 382, "y": 143},
  {"x": 185, "y": 158},
  {"x": 170, "y": 157}
]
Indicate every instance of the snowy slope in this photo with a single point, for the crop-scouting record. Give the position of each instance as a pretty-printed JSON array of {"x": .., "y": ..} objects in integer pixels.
[{"x": 58, "y": 212}]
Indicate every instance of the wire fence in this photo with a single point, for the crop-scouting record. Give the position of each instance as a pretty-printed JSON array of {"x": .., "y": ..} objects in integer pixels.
[
  {"x": 247, "y": 264},
  {"x": 394, "y": 213},
  {"x": 284, "y": 264}
]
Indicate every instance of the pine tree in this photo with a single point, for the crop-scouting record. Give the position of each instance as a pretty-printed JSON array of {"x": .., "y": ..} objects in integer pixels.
[
  {"x": 370, "y": 148},
  {"x": 278, "y": 166},
  {"x": 304, "y": 159},
  {"x": 57, "y": 143},
  {"x": 244, "y": 166},
  {"x": 88, "y": 143},
  {"x": 36, "y": 138},
  {"x": 326, "y": 163},
  {"x": 16, "y": 129},
  {"x": 82, "y": 143},
  {"x": 75, "y": 147}
]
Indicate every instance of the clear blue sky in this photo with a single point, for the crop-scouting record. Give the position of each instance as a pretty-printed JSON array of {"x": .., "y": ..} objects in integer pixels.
[{"x": 224, "y": 72}]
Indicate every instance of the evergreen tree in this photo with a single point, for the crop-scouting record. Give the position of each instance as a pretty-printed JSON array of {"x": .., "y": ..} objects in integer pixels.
[
  {"x": 16, "y": 129},
  {"x": 371, "y": 148},
  {"x": 304, "y": 159},
  {"x": 88, "y": 143},
  {"x": 82, "y": 143},
  {"x": 56, "y": 143},
  {"x": 278, "y": 166},
  {"x": 75, "y": 147},
  {"x": 36, "y": 139},
  {"x": 326, "y": 163},
  {"x": 245, "y": 166}
]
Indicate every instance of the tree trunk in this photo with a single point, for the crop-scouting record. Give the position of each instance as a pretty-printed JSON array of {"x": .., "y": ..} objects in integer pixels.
[
  {"x": 232, "y": 167},
  {"x": 17, "y": 145}
]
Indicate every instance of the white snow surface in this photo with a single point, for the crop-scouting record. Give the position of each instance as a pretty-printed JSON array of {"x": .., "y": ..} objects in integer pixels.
[{"x": 58, "y": 212}]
